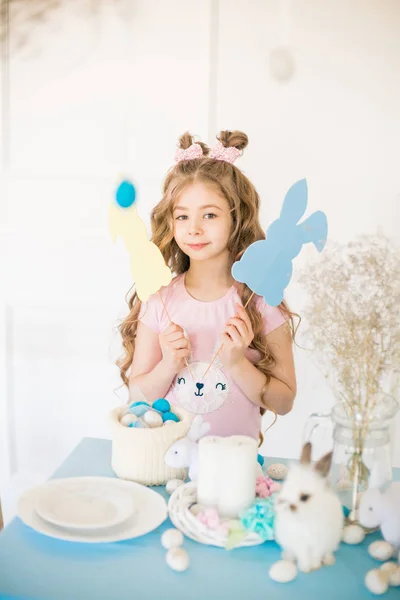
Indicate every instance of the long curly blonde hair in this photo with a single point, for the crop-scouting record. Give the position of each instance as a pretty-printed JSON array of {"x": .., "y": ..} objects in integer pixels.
[{"x": 244, "y": 203}]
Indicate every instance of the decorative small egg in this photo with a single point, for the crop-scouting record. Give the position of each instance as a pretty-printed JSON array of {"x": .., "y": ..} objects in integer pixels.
[
  {"x": 173, "y": 484},
  {"x": 394, "y": 578},
  {"x": 153, "y": 418},
  {"x": 162, "y": 405},
  {"x": 169, "y": 416},
  {"x": 392, "y": 571},
  {"x": 353, "y": 534},
  {"x": 133, "y": 404},
  {"x": 171, "y": 538},
  {"x": 376, "y": 581},
  {"x": 128, "y": 419},
  {"x": 277, "y": 471},
  {"x": 283, "y": 571},
  {"x": 140, "y": 409},
  {"x": 168, "y": 423},
  {"x": 389, "y": 567},
  {"x": 177, "y": 559},
  {"x": 260, "y": 459},
  {"x": 380, "y": 550}
]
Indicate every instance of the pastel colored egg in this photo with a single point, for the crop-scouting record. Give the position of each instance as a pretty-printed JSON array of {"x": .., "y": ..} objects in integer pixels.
[
  {"x": 277, "y": 471},
  {"x": 283, "y": 571},
  {"x": 126, "y": 194},
  {"x": 133, "y": 404},
  {"x": 177, "y": 559},
  {"x": 380, "y": 550},
  {"x": 376, "y": 581},
  {"x": 353, "y": 534},
  {"x": 128, "y": 419},
  {"x": 169, "y": 416},
  {"x": 162, "y": 405},
  {"x": 139, "y": 410},
  {"x": 153, "y": 418},
  {"x": 171, "y": 538}
]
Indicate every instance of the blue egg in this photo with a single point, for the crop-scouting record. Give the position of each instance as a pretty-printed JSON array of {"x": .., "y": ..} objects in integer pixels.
[
  {"x": 162, "y": 405},
  {"x": 138, "y": 404},
  {"x": 139, "y": 409},
  {"x": 126, "y": 194},
  {"x": 260, "y": 459},
  {"x": 169, "y": 416}
]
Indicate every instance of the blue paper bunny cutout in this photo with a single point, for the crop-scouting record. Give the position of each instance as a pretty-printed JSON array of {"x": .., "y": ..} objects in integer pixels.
[{"x": 266, "y": 265}]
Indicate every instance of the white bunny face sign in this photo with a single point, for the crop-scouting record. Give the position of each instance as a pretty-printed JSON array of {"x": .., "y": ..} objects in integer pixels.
[
  {"x": 200, "y": 394},
  {"x": 201, "y": 389}
]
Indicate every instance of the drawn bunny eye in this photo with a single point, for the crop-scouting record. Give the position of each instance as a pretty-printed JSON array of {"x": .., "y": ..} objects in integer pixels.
[
  {"x": 223, "y": 386},
  {"x": 180, "y": 379}
]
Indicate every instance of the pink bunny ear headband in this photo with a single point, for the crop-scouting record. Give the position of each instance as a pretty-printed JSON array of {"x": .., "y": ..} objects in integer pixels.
[{"x": 219, "y": 152}]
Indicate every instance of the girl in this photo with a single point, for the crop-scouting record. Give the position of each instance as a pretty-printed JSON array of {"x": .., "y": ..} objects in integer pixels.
[{"x": 193, "y": 342}]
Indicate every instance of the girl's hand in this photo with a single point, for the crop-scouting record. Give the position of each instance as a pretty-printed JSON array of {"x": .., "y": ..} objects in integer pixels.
[
  {"x": 236, "y": 338},
  {"x": 174, "y": 347}
]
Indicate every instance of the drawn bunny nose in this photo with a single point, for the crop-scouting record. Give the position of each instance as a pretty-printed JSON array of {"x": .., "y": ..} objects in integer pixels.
[{"x": 199, "y": 386}]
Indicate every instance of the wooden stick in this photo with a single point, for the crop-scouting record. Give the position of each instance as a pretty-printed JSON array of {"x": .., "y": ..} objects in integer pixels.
[
  {"x": 169, "y": 319},
  {"x": 220, "y": 348}
]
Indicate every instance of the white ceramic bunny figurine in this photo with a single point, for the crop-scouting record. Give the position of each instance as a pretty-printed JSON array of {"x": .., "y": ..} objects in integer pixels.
[
  {"x": 309, "y": 516},
  {"x": 185, "y": 452},
  {"x": 382, "y": 509}
]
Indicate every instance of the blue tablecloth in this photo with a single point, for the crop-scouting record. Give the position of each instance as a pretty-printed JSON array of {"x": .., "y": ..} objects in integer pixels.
[{"x": 33, "y": 566}]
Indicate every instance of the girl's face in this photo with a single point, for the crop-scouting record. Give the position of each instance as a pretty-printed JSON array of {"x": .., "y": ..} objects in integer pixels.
[{"x": 202, "y": 223}]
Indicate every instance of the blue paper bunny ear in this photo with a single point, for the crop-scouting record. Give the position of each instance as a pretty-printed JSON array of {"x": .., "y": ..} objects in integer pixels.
[
  {"x": 266, "y": 265},
  {"x": 295, "y": 202}
]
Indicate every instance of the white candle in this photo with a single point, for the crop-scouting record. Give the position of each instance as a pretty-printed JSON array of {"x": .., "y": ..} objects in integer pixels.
[
  {"x": 210, "y": 462},
  {"x": 237, "y": 475}
]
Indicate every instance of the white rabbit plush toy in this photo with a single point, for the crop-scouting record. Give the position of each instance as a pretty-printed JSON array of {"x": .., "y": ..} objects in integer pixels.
[
  {"x": 382, "y": 509},
  {"x": 185, "y": 452},
  {"x": 309, "y": 516}
]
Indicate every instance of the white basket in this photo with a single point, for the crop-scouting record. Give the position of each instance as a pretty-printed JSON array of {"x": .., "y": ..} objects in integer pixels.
[
  {"x": 182, "y": 517},
  {"x": 138, "y": 454}
]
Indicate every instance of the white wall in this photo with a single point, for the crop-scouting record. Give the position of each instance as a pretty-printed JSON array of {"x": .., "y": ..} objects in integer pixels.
[{"x": 97, "y": 97}]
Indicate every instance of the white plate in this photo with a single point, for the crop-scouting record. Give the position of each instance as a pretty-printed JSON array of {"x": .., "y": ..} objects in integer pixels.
[
  {"x": 151, "y": 511},
  {"x": 85, "y": 503}
]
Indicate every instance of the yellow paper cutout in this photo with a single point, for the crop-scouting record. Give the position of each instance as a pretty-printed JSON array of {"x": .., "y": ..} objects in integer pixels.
[{"x": 148, "y": 268}]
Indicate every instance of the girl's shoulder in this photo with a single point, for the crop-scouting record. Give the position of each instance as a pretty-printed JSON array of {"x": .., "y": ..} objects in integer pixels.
[
  {"x": 166, "y": 291},
  {"x": 272, "y": 316},
  {"x": 153, "y": 310},
  {"x": 158, "y": 299}
]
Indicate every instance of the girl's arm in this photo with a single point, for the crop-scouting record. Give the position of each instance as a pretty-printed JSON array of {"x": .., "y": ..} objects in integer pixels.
[
  {"x": 282, "y": 387},
  {"x": 148, "y": 370}
]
